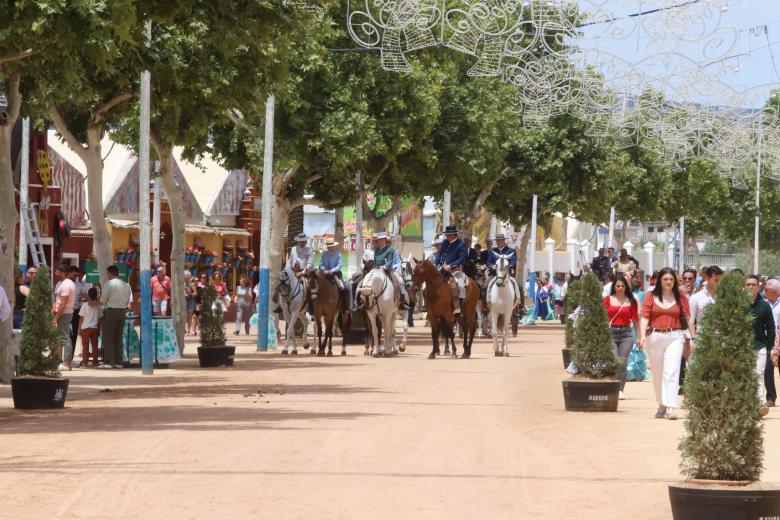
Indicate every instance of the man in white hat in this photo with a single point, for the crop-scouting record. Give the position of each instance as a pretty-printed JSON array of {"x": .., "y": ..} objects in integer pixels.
[
  {"x": 384, "y": 256},
  {"x": 330, "y": 265},
  {"x": 301, "y": 256}
]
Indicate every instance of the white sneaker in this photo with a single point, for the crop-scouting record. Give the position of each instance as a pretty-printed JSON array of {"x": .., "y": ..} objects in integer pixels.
[
  {"x": 117, "y": 366},
  {"x": 104, "y": 365},
  {"x": 63, "y": 366},
  {"x": 621, "y": 395},
  {"x": 670, "y": 414}
]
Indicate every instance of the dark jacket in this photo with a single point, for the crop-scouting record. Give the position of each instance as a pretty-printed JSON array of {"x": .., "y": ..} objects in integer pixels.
[
  {"x": 453, "y": 253},
  {"x": 763, "y": 323}
]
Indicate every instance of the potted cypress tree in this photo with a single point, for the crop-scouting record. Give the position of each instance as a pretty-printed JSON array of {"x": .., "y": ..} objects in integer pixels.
[
  {"x": 212, "y": 351},
  {"x": 722, "y": 451},
  {"x": 571, "y": 303},
  {"x": 595, "y": 388},
  {"x": 38, "y": 384}
]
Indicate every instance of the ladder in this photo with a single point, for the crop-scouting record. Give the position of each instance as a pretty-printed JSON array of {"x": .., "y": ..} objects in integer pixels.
[{"x": 33, "y": 235}]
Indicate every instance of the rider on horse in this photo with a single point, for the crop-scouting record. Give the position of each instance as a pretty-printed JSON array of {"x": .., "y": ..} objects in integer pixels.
[
  {"x": 451, "y": 258},
  {"x": 384, "y": 258},
  {"x": 484, "y": 255},
  {"x": 301, "y": 256},
  {"x": 330, "y": 265},
  {"x": 501, "y": 249}
]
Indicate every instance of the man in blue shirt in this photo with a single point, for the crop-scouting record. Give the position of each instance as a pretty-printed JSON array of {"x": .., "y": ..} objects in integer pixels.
[
  {"x": 330, "y": 265},
  {"x": 451, "y": 258},
  {"x": 502, "y": 249}
]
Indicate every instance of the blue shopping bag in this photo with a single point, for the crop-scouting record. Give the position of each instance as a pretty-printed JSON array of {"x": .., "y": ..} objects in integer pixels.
[{"x": 637, "y": 365}]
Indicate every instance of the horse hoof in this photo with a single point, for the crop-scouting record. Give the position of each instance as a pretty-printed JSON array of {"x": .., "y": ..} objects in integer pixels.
[
  {"x": 294, "y": 352},
  {"x": 453, "y": 355},
  {"x": 365, "y": 353},
  {"x": 465, "y": 356},
  {"x": 320, "y": 354},
  {"x": 306, "y": 346},
  {"x": 313, "y": 352},
  {"x": 343, "y": 352},
  {"x": 402, "y": 349},
  {"x": 431, "y": 356},
  {"x": 329, "y": 354},
  {"x": 284, "y": 352},
  {"x": 506, "y": 354},
  {"x": 497, "y": 353},
  {"x": 446, "y": 352}
]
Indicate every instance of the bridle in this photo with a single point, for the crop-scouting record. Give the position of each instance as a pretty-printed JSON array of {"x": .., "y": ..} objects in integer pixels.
[
  {"x": 285, "y": 283},
  {"x": 501, "y": 271},
  {"x": 375, "y": 302}
]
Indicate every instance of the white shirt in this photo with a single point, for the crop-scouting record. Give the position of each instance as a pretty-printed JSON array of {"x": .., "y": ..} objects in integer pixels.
[
  {"x": 116, "y": 294},
  {"x": 303, "y": 256},
  {"x": 775, "y": 309},
  {"x": 91, "y": 314},
  {"x": 697, "y": 302},
  {"x": 5, "y": 307}
]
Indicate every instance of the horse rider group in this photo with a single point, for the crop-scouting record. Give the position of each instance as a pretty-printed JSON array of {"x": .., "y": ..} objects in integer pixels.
[
  {"x": 453, "y": 256},
  {"x": 457, "y": 257},
  {"x": 301, "y": 261}
]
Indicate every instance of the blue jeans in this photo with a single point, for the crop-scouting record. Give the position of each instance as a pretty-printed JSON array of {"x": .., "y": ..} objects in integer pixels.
[{"x": 622, "y": 342}]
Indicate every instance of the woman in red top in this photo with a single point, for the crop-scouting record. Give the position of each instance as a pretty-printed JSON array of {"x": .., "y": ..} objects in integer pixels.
[
  {"x": 664, "y": 326},
  {"x": 622, "y": 311}
]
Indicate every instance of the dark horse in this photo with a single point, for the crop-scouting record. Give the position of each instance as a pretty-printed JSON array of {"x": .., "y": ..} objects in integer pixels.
[
  {"x": 438, "y": 299},
  {"x": 326, "y": 298}
]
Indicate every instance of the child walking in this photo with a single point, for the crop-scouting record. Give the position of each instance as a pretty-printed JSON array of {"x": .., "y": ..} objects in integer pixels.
[{"x": 89, "y": 327}]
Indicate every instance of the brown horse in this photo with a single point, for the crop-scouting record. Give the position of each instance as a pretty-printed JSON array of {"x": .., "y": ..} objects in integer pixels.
[
  {"x": 327, "y": 302},
  {"x": 438, "y": 299}
]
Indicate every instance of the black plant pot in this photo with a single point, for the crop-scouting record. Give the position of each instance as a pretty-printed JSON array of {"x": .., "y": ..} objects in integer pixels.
[
  {"x": 39, "y": 393},
  {"x": 701, "y": 502},
  {"x": 216, "y": 356},
  {"x": 566, "y": 357},
  {"x": 591, "y": 396}
]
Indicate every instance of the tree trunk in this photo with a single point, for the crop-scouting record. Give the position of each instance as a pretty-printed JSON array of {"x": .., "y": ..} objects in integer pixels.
[
  {"x": 9, "y": 216},
  {"x": 281, "y": 213},
  {"x": 294, "y": 223},
  {"x": 93, "y": 159},
  {"x": 179, "y": 243},
  {"x": 375, "y": 222},
  {"x": 339, "y": 235}
]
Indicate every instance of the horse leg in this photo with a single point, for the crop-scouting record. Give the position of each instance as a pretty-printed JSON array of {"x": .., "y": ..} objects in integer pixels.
[
  {"x": 290, "y": 329},
  {"x": 293, "y": 319},
  {"x": 344, "y": 326},
  {"x": 435, "y": 329},
  {"x": 466, "y": 332},
  {"x": 320, "y": 345},
  {"x": 507, "y": 321},
  {"x": 494, "y": 326},
  {"x": 305, "y": 319},
  {"x": 329, "y": 334},
  {"x": 402, "y": 348},
  {"x": 389, "y": 328}
]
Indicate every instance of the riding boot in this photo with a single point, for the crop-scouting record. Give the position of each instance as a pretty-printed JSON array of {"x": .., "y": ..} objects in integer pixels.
[{"x": 455, "y": 299}]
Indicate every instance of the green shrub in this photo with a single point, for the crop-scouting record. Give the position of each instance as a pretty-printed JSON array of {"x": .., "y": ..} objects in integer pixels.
[
  {"x": 40, "y": 351},
  {"x": 592, "y": 348},
  {"x": 212, "y": 332},
  {"x": 724, "y": 432},
  {"x": 572, "y": 300}
]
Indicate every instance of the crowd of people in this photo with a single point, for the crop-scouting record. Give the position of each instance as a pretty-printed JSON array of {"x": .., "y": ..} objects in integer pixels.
[{"x": 664, "y": 321}]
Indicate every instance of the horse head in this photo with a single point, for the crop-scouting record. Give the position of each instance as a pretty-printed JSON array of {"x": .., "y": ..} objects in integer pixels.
[
  {"x": 422, "y": 271},
  {"x": 502, "y": 269}
]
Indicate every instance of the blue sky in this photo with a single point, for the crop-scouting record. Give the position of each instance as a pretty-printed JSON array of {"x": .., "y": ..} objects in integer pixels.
[{"x": 733, "y": 63}]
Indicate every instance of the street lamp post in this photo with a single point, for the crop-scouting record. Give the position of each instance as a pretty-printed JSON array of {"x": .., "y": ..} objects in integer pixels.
[
  {"x": 649, "y": 248},
  {"x": 549, "y": 246}
]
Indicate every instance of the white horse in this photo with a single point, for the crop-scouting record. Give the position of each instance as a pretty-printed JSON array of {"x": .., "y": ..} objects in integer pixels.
[
  {"x": 502, "y": 294},
  {"x": 377, "y": 294},
  {"x": 292, "y": 297}
]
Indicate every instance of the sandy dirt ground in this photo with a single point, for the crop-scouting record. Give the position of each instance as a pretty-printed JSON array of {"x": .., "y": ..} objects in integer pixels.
[{"x": 341, "y": 438}]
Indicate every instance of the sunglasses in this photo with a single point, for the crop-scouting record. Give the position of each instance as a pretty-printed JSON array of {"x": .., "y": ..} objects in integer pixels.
[{"x": 688, "y": 278}]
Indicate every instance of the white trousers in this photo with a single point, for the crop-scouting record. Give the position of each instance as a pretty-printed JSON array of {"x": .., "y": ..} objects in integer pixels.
[
  {"x": 665, "y": 352},
  {"x": 760, "y": 368}
]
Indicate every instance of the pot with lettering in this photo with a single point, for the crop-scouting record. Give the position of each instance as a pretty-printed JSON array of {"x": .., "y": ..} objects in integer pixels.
[
  {"x": 38, "y": 384},
  {"x": 723, "y": 449},
  {"x": 595, "y": 387}
]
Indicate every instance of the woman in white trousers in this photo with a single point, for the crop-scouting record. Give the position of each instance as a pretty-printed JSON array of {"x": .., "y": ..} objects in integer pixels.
[{"x": 663, "y": 330}]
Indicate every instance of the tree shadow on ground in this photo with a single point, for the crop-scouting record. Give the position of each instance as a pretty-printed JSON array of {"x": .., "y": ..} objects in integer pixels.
[{"x": 212, "y": 418}]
